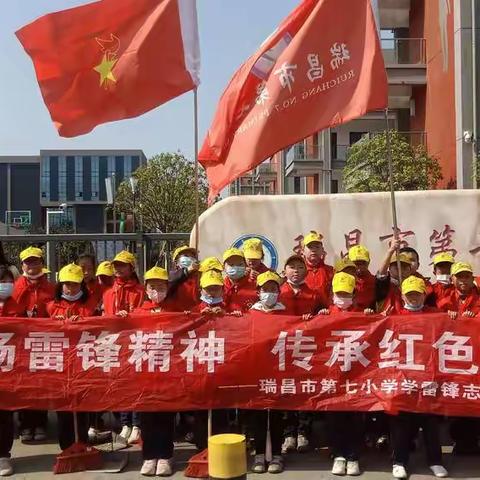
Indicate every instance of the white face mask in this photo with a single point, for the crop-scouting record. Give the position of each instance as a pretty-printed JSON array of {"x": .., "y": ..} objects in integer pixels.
[
  {"x": 33, "y": 277},
  {"x": 185, "y": 262},
  {"x": 6, "y": 290},
  {"x": 157, "y": 296},
  {"x": 445, "y": 278},
  {"x": 268, "y": 299},
  {"x": 72, "y": 298},
  {"x": 342, "y": 303}
]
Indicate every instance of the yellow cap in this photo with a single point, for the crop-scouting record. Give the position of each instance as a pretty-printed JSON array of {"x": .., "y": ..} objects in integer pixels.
[
  {"x": 210, "y": 263},
  {"x": 105, "y": 268},
  {"x": 359, "y": 253},
  {"x": 253, "y": 248},
  {"x": 342, "y": 263},
  {"x": 312, "y": 237},
  {"x": 413, "y": 284},
  {"x": 232, "y": 252},
  {"x": 71, "y": 273},
  {"x": 269, "y": 276},
  {"x": 45, "y": 270},
  {"x": 460, "y": 267},
  {"x": 183, "y": 248},
  {"x": 403, "y": 257},
  {"x": 31, "y": 252},
  {"x": 343, "y": 282},
  {"x": 443, "y": 257},
  {"x": 294, "y": 257},
  {"x": 125, "y": 257},
  {"x": 156, "y": 273},
  {"x": 211, "y": 278}
]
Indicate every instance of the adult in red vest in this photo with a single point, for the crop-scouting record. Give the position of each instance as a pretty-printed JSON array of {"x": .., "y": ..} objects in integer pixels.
[
  {"x": 443, "y": 287},
  {"x": 365, "y": 280},
  {"x": 121, "y": 299},
  {"x": 71, "y": 303},
  {"x": 8, "y": 308},
  {"x": 157, "y": 427},
  {"x": 240, "y": 293},
  {"x": 464, "y": 299},
  {"x": 387, "y": 283},
  {"x": 319, "y": 276},
  {"x": 404, "y": 426},
  {"x": 185, "y": 280},
  {"x": 32, "y": 291},
  {"x": 126, "y": 293}
]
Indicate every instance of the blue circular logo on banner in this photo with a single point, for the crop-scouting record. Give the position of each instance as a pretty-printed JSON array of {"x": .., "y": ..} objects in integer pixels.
[{"x": 269, "y": 250}]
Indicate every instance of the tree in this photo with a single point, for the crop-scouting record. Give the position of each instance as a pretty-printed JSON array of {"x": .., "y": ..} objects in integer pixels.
[
  {"x": 165, "y": 199},
  {"x": 366, "y": 169}
]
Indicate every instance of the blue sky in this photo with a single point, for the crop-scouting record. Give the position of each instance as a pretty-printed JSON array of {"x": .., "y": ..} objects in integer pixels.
[{"x": 230, "y": 31}]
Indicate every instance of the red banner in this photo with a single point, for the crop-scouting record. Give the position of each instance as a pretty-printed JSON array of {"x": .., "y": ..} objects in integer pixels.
[{"x": 421, "y": 363}]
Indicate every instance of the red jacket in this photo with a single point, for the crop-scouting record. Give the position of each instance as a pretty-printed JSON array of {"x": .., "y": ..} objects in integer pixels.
[
  {"x": 319, "y": 279},
  {"x": 95, "y": 291},
  {"x": 455, "y": 303},
  {"x": 151, "y": 307},
  {"x": 426, "y": 309},
  {"x": 33, "y": 297},
  {"x": 187, "y": 292},
  {"x": 302, "y": 302},
  {"x": 240, "y": 295},
  {"x": 66, "y": 309},
  {"x": 123, "y": 296},
  {"x": 440, "y": 292},
  {"x": 334, "y": 309},
  {"x": 10, "y": 308},
  {"x": 198, "y": 308},
  {"x": 365, "y": 291}
]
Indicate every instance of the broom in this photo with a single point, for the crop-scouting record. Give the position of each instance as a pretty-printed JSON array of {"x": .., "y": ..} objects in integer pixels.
[
  {"x": 198, "y": 464},
  {"x": 78, "y": 457}
]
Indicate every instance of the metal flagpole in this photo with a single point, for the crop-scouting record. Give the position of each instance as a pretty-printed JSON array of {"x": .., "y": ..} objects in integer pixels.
[
  {"x": 197, "y": 194},
  {"x": 392, "y": 190}
]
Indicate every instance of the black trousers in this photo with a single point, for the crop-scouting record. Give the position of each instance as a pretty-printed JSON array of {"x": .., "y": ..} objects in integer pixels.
[
  {"x": 259, "y": 422},
  {"x": 6, "y": 433},
  {"x": 298, "y": 423},
  {"x": 403, "y": 429},
  {"x": 66, "y": 429},
  {"x": 465, "y": 432},
  {"x": 344, "y": 434},
  {"x": 31, "y": 419},
  {"x": 157, "y": 434},
  {"x": 200, "y": 431}
]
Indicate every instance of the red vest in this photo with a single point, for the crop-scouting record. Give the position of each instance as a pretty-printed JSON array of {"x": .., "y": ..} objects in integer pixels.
[
  {"x": 302, "y": 302},
  {"x": 33, "y": 297},
  {"x": 455, "y": 303},
  {"x": 240, "y": 295},
  {"x": 10, "y": 308},
  {"x": 319, "y": 279},
  {"x": 123, "y": 296},
  {"x": 365, "y": 291},
  {"x": 441, "y": 293},
  {"x": 334, "y": 309},
  {"x": 66, "y": 309},
  {"x": 187, "y": 294}
]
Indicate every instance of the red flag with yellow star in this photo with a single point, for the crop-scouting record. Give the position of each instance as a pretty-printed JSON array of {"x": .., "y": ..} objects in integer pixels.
[{"x": 113, "y": 59}]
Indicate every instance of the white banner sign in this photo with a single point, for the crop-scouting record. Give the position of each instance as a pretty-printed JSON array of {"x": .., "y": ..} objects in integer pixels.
[{"x": 429, "y": 221}]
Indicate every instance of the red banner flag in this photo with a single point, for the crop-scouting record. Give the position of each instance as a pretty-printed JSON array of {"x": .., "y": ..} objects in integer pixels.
[
  {"x": 322, "y": 67},
  {"x": 418, "y": 363},
  {"x": 112, "y": 59}
]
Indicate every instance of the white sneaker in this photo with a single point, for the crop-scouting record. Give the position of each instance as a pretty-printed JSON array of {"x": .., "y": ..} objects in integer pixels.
[
  {"x": 164, "y": 467},
  {"x": 40, "y": 435},
  {"x": 92, "y": 434},
  {"x": 339, "y": 466},
  {"x": 439, "y": 471},
  {"x": 259, "y": 464},
  {"x": 149, "y": 467},
  {"x": 134, "y": 436},
  {"x": 353, "y": 468},
  {"x": 125, "y": 434},
  {"x": 276, "y": 465},
  {"x": 302, "y": 443},
  {"x": 289, "y": 444},
  {"x": 399, "y": 471},
  {"x": 6, "y": 467}
]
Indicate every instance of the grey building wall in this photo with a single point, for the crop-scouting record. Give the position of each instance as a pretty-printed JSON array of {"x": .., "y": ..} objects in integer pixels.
[
  {"x": 25, "y": 187},
  {"x": 89, "y": 218}
]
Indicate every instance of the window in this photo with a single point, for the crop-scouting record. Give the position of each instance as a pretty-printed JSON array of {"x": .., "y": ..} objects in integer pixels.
[
  {"x": 333, "y": 145},
  {"x": 45, "y": 178},
  {"x": 356, "y": 136},
  {"x": 334, "y": 186},
  {"x": 95, "y": 177},
  {"x": 128, "y": 167},
  {"x": 296, "y": 185},
  {"x": 62, "y": 179},
  {"x": 78, "y": 178}
]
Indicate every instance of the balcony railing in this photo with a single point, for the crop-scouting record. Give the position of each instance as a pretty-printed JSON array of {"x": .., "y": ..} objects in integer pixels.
[{"x": 404, "y": 51}]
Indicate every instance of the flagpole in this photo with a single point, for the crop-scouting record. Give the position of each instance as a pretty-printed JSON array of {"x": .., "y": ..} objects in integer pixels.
[
  {"x": 392, "y": 190},
  {"x": 197, "y": 195}
]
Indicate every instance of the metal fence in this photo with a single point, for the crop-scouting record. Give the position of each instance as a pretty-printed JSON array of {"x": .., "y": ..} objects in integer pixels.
[{"x": 149, "y": 248}]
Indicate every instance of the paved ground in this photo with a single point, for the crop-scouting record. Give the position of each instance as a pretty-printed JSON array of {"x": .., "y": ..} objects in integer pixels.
[{"x": 35, "y": 462}]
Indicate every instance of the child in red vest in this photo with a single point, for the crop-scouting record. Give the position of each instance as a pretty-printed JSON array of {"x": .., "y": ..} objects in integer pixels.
[
  {"x": 157, "y": 427},
  {"x": 365, "y": 281},
  {"x": 254, "y": 255},
  {"x": 33, "y": 291},
  {"x": 8, "y": 306},
  {"x": 443, "y": 287},
  {"x": 211, "y": 298},
  {"x": 404, "y": 426},
  {"x": 240, "y": 293},
  {"x": 185, "y": 280}
]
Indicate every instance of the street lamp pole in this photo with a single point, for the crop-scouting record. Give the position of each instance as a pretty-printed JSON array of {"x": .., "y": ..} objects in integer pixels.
[{"x": 133, "y": 185}]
